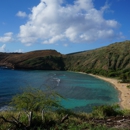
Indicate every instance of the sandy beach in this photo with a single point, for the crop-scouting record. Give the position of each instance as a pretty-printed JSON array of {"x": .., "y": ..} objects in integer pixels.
[{"x": 121, "y": 87}]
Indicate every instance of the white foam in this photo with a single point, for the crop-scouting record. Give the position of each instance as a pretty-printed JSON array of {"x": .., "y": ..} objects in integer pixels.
[
  {"x": 57, "y": 80},
  {"x": 5, "y": 108}
]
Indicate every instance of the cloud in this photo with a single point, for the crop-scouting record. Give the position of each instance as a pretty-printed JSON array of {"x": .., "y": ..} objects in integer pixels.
[
  {"x": 53, "y": 39},
  {"x": 19, "y": 51},
  {"x": 7, "y": 37},
  {"x": 2, "y": 48},
  {"x": 21, "y": 14},
  {"x": 65, "y": 45},
  {"x": 50, "y": 22}
]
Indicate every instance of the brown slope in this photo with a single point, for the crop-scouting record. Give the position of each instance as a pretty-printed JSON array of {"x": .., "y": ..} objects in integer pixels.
[{"x": 25, "y": 60}]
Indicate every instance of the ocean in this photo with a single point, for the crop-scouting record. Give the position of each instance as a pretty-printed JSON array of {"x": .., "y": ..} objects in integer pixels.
[{"x": 81, "y": 91}]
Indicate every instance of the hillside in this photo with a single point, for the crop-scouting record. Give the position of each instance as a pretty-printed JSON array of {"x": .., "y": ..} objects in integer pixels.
[
  {"x": 112, "y": 60},
  {"x": 42, "y": 59}
]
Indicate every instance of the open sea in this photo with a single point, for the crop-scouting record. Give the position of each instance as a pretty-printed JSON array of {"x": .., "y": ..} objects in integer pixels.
[{"x": 81, "y": 91}]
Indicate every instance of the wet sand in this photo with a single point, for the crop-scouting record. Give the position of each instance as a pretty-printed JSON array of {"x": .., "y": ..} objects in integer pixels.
[{"x": 121, "y": 87}]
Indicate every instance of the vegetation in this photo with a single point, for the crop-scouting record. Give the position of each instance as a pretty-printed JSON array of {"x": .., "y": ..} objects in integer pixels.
[
  {"x": 102, "y": 118},
  {"x": 41, "y": 60},
  {"x": 38, "y": 109},
  {"x": 128, "y": 86},
  {"x": 45, "y": 63},
  {"x": 111, "y": 61},
  {"x": 125, "y": 77},
  {"x": 106, "y": 111},
  {"x": 36, "y": 99}
]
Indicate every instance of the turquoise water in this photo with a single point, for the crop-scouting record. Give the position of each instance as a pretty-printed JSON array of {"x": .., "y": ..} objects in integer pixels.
[{"x": 81, "y": 91}]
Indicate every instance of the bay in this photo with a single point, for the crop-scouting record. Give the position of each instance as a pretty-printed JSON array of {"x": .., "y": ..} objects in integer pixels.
[{"x": 81, "y": 91}]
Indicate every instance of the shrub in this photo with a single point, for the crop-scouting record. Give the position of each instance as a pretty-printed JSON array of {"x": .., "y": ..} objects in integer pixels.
[
  {"x": 31, "y": 101},
  {"x": 128, "y": 86},
  {"x": 35, "y": 99},
  {"x": 104, "y": 111}
]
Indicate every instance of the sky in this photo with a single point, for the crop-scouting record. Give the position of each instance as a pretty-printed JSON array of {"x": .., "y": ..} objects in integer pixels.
[{"x": 63, "y": 25}]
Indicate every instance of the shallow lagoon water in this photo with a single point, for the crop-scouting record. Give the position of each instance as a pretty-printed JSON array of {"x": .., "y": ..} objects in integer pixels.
[{"x": 81, "y": 91}]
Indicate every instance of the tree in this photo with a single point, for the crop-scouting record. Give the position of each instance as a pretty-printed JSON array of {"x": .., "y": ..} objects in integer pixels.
[{"x": 35, "y": 99}]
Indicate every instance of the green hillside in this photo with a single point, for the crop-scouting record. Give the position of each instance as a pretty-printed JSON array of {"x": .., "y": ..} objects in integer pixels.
[{"x": 112, "y": 60}]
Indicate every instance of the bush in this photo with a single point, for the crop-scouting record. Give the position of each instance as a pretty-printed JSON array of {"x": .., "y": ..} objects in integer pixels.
[
  {"x": 105, "y": 111},
  {"x": 35, "y": 99},
  {"x": 31, "y": 101},
  {"x": 128, "y": 86}
]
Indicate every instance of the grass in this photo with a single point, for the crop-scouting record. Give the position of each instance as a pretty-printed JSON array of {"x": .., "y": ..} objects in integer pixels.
[{"x": 75, "y": 121}]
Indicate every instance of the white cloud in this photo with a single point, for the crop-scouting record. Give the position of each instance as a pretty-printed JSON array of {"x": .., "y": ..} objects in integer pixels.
[
  {"x": 53, "y": 39},
  {"x": 65, "y": 45},
  {"x": 21, "y": 14},
  {"x": 50, "y": 22},
  {"x": 19, "y": 51},
  {"x": 2, "y": 48},
  {"x": 7, "y": 37}
]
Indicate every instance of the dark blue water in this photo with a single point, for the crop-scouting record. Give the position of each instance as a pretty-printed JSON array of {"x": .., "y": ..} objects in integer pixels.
[{"x": 81, "y": 91}]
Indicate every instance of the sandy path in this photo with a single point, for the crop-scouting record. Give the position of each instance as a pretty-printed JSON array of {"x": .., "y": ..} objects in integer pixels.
[{"x": 121, "y": 87}]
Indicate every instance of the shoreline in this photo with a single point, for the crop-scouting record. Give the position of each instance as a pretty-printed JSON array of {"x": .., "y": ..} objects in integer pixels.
[{"x": 124, "y": 92}]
